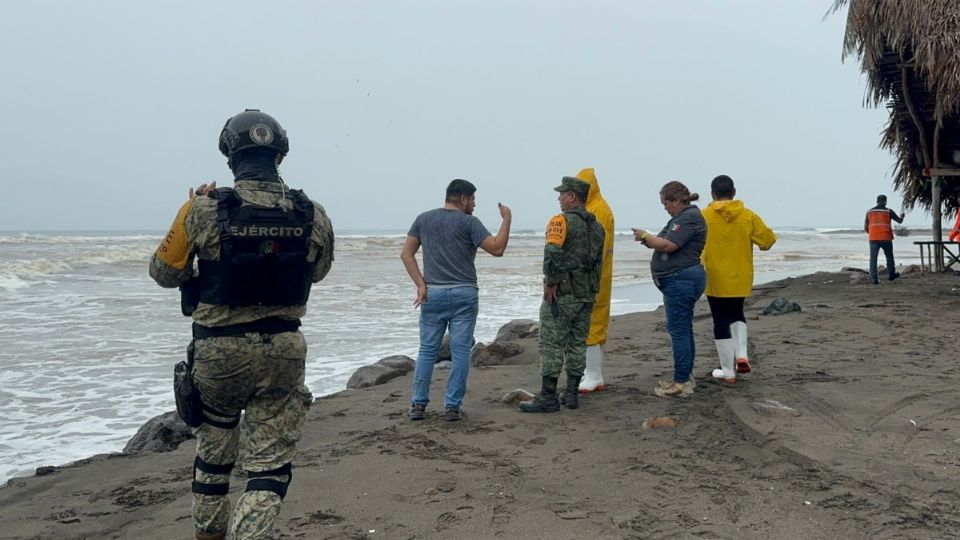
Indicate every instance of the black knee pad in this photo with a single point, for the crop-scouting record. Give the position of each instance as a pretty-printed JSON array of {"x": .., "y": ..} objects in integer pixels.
[
  {"x": 210, "y": 468},
  {"x": 259, "y": 482},
  {"x": 231, "y": 423}
]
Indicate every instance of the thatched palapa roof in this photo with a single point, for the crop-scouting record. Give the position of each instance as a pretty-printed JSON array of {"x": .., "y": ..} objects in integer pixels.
[{"x": 910, "y": 51}]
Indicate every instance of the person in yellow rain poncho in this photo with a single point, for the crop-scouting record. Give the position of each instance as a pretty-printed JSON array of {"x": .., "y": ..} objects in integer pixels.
[
  {"x": 732, "y": 231},
  {"x": 600, "y": 318}
]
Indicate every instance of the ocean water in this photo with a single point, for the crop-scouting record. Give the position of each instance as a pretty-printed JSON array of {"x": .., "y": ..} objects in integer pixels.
[{"x": 88, "y": 341}]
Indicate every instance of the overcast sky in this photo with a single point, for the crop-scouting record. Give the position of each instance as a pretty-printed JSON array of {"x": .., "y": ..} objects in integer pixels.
[{"x": 112, "y": 109}]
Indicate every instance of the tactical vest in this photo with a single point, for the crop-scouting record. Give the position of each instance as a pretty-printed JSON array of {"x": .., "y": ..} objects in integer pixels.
[
  {"x": 263, "y": 253},
  {"x": 586, "y": 261}
]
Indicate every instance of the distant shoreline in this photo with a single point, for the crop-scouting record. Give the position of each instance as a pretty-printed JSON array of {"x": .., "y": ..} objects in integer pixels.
[{"x": 850, "y": 229}]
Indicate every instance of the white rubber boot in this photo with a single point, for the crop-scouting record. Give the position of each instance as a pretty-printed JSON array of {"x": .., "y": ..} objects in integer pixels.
[
  {"x": 727, "y": 372},
  {"x": 593, "y": 374},
  {"x": 739, "y": 331}
]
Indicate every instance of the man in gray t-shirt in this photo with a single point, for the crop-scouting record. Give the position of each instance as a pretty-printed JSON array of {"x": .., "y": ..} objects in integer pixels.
[
  {"x": 447, "y": 288},
  {"x": 450, "y": 239}
]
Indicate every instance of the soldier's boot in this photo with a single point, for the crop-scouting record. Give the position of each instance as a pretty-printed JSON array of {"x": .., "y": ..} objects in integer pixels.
[
  {"x": 212, "y": 536},
  {"x": 569, "y": 398},
  {"x": 546, "y": 400}
]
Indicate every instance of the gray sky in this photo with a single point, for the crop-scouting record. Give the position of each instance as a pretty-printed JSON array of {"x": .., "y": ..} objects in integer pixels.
[{"x": 113, "y": 109}]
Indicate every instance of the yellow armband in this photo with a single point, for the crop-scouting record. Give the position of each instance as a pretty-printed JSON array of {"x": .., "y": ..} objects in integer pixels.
[{"x": 557, "y": 230}]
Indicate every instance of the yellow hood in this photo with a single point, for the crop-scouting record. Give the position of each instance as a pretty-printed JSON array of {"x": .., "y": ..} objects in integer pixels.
[
  {"x": 727, "y": 210},
  {"x": 590, "y": 177}
]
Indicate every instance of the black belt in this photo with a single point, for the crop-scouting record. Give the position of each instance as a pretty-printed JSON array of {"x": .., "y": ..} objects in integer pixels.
[{"x": 270, "y": 325}]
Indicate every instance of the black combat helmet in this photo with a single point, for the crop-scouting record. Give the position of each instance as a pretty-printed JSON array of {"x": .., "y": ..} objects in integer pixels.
[{"x": 253, "y": 129}]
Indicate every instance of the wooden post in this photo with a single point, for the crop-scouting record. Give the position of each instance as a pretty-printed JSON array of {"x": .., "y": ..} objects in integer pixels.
[
  {"x": 935, "y": 209},
  {"x": 928, "y": 162}
]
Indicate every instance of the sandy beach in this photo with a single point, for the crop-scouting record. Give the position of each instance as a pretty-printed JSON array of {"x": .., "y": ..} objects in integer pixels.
[{"x": 869, "y": 451}]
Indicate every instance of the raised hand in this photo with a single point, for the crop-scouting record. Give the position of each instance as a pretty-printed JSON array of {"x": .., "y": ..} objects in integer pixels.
[{"x": 203, "y": 189}]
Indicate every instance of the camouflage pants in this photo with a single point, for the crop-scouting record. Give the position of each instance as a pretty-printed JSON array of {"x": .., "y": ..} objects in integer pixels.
[
  {"x": 262, "y": 375},
  {"x": 564, "y": 337}
]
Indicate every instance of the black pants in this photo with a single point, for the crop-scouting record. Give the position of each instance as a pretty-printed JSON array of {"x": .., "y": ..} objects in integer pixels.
[{"x": 725, "y": 311}]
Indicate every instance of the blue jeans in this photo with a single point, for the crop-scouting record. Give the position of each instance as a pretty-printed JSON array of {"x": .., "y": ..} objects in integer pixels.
[
  {"x": 887, "y": 247},
  {"x": 457, "y": 309},
  {"x": 680, "y": 293}
]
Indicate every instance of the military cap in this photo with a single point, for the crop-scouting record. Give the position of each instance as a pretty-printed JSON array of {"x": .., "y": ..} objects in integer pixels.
[{"x": 576, "y": 185}]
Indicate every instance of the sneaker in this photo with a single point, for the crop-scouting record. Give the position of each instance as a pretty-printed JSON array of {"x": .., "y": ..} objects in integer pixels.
[
  {"x": 743, "y": 365},
  {"x": 692, "y": 383},
  {"x": 894, "y": 276},
  {"x": 675, "y": 389},
  {"x": 453, "y": 414},
  {"x": 417, "y": 412}
]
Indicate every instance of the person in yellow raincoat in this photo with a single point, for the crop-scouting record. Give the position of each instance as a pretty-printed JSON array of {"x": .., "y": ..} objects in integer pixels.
[
  {"x": 732, "y": 231},
  {"x": 600, "y": 317}
]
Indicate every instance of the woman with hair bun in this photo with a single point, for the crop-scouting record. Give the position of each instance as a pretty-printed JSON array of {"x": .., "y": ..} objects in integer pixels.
[{"x": 677, "y": 272}]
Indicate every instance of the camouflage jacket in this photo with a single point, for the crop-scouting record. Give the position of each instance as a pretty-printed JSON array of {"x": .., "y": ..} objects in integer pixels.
[
  {"x": 194, "y": 232},
  {"x": 573, "y": 254}
]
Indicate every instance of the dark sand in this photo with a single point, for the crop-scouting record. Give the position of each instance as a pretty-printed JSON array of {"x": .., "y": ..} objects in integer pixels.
[{"x": 872, "y": 371}]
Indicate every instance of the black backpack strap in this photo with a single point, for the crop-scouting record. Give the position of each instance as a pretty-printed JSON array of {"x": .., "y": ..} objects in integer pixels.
[
  {"x": 227, "y": 198},
  {"x": 302, "y": 203}
]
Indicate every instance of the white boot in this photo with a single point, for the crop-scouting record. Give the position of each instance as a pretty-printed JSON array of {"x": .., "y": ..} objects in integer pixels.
[
  {"x": 593, "y": 374},
  {"x": 727, "y": 372},
  {"x": 739, "y": 331}
]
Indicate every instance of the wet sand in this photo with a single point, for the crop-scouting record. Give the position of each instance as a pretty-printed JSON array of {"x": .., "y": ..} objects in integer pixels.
[{"x": 872, "y": 452}]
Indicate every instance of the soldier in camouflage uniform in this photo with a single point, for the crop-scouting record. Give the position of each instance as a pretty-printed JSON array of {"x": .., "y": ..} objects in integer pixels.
[
  {"x": 259, "y": 247},
  {"x": 571, "y": 279}
]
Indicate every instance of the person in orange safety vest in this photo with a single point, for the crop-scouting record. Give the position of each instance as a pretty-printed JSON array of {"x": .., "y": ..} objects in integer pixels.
[
  {"x": 878, "y": 227},
  {"x": 955, "y": 233}
]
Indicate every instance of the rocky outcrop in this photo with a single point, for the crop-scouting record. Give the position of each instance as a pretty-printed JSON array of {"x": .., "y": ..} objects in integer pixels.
[
  {"x": 518, "y": 329},
  {"x": 781, "y": 306},
  {"x": 385, "y": 370},
  {"x": 443, "y": 355},
  {"x": 858, "y": 278},
  {"x": 505, "y": 350},
  {"x": 160, "y": 434},
  {"x": 496, "y": 354}
]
